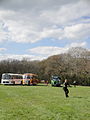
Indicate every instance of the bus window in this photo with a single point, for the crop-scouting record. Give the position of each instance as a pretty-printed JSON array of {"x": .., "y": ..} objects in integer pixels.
[
  {"x": 6, "y": 76},
  {"x": 28, "y": 77}
]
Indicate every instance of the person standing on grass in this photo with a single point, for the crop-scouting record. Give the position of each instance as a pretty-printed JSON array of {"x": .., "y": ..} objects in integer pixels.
[
  {"x": 65, "y": 88},
  {"x": 47, "y": 82}
]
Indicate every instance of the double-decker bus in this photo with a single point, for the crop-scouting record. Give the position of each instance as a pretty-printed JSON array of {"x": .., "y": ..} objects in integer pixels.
[
  {"x": 23, "y": 79},
  {"x": 11, "y": 78},
  {"x": 30, "y": 79}
]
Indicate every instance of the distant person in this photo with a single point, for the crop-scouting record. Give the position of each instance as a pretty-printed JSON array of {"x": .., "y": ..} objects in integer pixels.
[
  {"x": 74, "y": 83},
  {"x": 65, "y": 88},
  {"x": 46, "y": 81}
]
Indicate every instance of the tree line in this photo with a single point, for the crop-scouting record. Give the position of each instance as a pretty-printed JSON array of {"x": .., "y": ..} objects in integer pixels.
[{"x": 73, "y": 65}]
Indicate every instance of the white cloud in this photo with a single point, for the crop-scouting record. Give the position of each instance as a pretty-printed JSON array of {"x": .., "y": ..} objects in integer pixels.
[
  {"x": 50, "y": 50},
  {"x": 47, "y": 51},
  {"x": 78, "y": 31},
  {"x": 67, "y": 13},
  {"x": 29, "y": 21},
  {"x": 41, "y": 52},
  {"x": 29, "y": 4},
  {"x": 38, "y": 53},
  {"x": 20, "y": 57},
  {"x": 32, "y": 21},
  {"x": 3, "y": 33},
  {"x": 75, "y": 32},
  {"x": 2, "y": 49},
  {"x": 83, "y": 44}
]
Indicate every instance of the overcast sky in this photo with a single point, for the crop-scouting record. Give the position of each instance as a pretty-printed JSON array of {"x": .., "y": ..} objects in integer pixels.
[{"x": 37, "y": 29}]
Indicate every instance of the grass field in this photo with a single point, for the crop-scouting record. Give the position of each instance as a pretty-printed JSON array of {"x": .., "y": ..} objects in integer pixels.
[{"x": 44, "y": 103}]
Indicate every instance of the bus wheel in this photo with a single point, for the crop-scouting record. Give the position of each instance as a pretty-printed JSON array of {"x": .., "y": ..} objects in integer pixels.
[
  {"x": 21, "y": 82},
  {"x": 34, "y": 84},
  {"x": 13, "y": 82},
  {"x": 28, "y": 82}
]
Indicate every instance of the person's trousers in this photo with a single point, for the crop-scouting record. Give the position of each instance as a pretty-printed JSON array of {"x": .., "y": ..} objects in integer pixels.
[{"x": 66, "y": 92}]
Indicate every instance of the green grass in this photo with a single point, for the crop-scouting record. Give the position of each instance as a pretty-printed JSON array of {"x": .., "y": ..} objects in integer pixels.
[{"x": 44, "y": 103}]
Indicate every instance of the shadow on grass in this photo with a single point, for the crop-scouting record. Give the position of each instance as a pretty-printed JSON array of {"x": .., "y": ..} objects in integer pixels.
[{"x": 77, "y": 97}]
